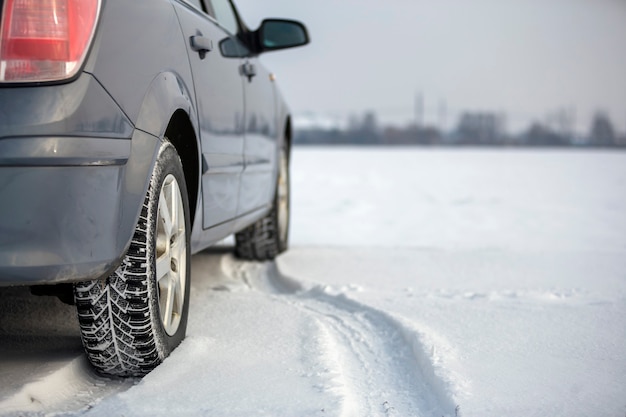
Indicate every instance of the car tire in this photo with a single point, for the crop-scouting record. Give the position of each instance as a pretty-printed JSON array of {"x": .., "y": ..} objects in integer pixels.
[
  {"x": 132, "y": 320},
  {"x": 268, "y": 237}
]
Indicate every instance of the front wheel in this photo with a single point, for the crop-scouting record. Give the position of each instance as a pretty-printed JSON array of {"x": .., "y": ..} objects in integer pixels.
[
  {"x": 269, "y": 236},
  {"x": 134, "y": 318}
]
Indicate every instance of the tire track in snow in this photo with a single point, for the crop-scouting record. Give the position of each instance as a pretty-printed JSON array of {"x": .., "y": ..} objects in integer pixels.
[
  {"x": 385, "y": 369},
  {"x": 375, "y": 359}
]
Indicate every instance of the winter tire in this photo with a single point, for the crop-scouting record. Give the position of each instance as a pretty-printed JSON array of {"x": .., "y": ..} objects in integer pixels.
[
  {"x": 268, "y": 237},
  {"x": 134, "y": 318}
]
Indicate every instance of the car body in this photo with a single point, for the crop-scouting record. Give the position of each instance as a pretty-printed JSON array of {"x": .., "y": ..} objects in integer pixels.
[{"x": 81, "y": 139}]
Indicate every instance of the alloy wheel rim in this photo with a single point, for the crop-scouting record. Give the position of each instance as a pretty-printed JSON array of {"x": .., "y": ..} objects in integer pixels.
[
  {"x": 283, "y": 197},
  {"x": 171, "y": 255}
]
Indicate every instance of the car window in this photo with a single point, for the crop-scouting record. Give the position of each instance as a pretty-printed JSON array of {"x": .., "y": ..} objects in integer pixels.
[
  {"x": 225, "y": 15},
  {"x": 196, "y": 3}
]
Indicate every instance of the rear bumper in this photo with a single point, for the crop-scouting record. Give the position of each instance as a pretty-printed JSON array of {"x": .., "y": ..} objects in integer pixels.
[
  {"x": 73, "y": 176},
  {"x": 60, "y": 208}
]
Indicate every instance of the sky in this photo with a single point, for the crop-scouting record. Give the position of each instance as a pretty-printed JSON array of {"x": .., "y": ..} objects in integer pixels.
[{"x": 531, "y": 60}]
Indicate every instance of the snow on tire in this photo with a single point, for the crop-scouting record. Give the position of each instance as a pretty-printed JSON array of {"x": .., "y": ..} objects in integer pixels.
[
  {"x": 134, "y": 318},
  {"x": 268, "y": 237}
]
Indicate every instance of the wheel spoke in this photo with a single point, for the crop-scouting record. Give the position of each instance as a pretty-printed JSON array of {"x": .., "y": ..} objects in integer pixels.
[
  {"x": 177, "y": 298},
  {"x": 175, "y": 208},
  {"x": 165, "y": 216},
  {"x": 169, "y": 302},
  {"x": 163, "y": 266}
]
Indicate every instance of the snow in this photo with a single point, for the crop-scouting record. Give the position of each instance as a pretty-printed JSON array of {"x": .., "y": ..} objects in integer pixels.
[{"x": 443, "y": 282}]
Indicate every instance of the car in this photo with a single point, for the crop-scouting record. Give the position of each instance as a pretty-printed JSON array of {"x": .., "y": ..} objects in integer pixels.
[{"x": 132, "y": 135}]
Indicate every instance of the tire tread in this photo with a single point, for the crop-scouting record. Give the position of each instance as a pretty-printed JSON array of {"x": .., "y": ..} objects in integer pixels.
[
  {"x": 114, "y": 314},
  {"x": 259, "y": 241}
]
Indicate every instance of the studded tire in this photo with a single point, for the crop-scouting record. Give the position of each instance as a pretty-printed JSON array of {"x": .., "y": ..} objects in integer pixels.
[
  {"x": 268, "y": 237},
  {"x": 133, "y": 319}
]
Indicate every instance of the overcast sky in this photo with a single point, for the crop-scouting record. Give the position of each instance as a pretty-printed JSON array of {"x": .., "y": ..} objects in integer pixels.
[{"x": 526, "y": 58}]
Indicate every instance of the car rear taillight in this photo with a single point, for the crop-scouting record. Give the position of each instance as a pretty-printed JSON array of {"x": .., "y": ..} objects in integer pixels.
[{"x": 45, "y": 40}]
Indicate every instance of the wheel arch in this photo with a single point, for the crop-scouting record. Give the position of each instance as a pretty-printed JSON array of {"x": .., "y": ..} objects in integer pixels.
[
  {"x": 181, "y": 134},
  {"x": 167, "y": 94},
  {"x": 168, "y": 111},
  {"x": 288, "y": 133}
]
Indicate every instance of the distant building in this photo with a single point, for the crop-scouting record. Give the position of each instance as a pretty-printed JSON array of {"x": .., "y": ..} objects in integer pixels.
[
  {"x": 541, "y": 135},
  {"x": 412, "y": 135},
  {"x": 602, "y": 132},
  {"x": 480, "y": 129}
]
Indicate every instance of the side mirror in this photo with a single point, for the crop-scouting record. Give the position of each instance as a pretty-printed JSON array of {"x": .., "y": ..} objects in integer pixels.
[{"x": 275, "y": 34}]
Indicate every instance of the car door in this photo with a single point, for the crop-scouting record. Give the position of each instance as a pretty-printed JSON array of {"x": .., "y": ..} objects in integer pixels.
[
  {"x": 260, "y": 152},
  {"x": 220, "y": 105}
]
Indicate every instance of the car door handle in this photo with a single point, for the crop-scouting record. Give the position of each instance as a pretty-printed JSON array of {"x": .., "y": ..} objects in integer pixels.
[
  {"x": 201, "y": 44},
  {"x": 248, "y": 70}
]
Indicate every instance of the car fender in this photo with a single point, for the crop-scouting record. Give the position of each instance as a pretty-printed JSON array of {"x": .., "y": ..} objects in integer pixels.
[
  {"x": 283, "y": 115},
  {"x": 166, "y": 95}
]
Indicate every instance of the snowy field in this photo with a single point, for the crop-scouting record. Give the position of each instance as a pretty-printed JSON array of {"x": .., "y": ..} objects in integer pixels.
[{"x": 474, "y": 283}]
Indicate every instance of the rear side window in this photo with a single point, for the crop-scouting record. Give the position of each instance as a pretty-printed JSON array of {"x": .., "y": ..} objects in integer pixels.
[
  {"x": 225, "y": 15},
  {"x": 197, "y": 3}
]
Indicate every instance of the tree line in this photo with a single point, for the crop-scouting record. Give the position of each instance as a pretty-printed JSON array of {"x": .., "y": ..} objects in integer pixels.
[{"x": 472, "y": 129}]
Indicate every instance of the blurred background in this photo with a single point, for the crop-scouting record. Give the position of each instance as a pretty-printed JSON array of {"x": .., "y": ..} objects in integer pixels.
[{"x": 488, "y": 72}]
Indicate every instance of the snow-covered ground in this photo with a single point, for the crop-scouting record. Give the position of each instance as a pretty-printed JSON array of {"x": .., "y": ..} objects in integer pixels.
[{"x": 420, "y": 282}]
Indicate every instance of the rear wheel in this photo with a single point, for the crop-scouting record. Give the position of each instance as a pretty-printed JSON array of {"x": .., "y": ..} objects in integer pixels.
[
  {"x": 269, "y": 236},
  {"x": 134, "y": 318}
]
